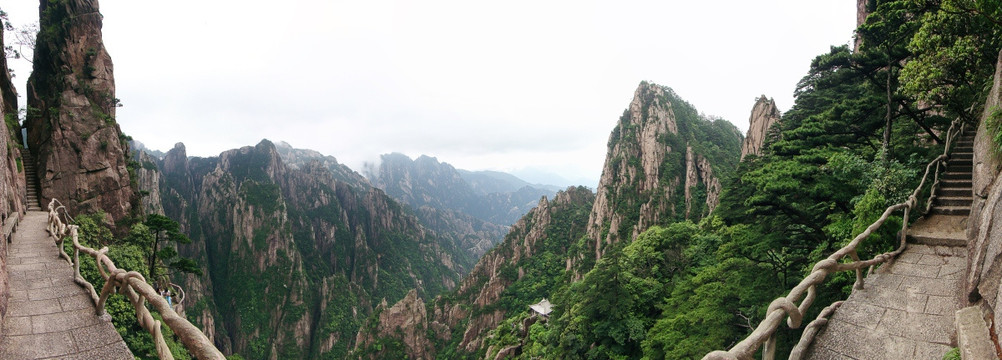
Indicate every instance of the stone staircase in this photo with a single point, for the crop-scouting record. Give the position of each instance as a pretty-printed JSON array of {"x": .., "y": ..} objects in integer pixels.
[
  {"x": 908, "y": 308},
  {"x": 946, "y": 221},
  {"x": 954, "y": 194},
  {"x": 31, "y": 178}
]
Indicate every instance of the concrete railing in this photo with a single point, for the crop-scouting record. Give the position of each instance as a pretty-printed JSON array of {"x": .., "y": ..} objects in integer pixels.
[
  {"x": 9, "y": 227},
  {"x": 764, "y": 335},
  {"x": 131, "y": 284}
]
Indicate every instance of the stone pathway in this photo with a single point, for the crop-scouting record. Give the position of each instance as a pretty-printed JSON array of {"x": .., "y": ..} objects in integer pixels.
[
  {"x": 49, "y": 316},
  {"x": 906, "y": 310}
]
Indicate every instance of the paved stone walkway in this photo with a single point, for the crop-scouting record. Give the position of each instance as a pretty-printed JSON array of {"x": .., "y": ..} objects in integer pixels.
[
  {"x": 906, "y": 310},
  {"x": 50, "y": 316}
]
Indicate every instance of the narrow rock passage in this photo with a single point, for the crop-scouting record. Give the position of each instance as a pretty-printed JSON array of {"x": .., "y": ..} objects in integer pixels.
[{"x": 50, "y": 316}]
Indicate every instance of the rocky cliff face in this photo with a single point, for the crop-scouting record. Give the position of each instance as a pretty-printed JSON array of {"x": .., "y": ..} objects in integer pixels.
[
  {"x": 298, "y": 158},
  {"x": 657, "y": 167},
  {"x": 456, "y": 202},
  {"x": 464, "y": 317},
  {"x": 490, "y": 196},
  {"x": 12, "y": 182},
  {"x": 404, "y": 319},
  {"x": 72, "y": 133},
  {"x": 863, "y": 8},
  {"x": 763, "y": 115},
  {"x": 984, "y": 269},
  {"x": 148, "y": 183},
  {"x": 295, "y": 258}
]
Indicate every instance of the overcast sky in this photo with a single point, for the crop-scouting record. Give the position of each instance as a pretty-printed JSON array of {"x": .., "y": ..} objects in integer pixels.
[{"x": 513, "y": 86}]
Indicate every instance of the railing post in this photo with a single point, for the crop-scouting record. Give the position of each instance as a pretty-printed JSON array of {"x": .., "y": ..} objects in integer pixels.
[
  {"x": 138, "y": 293},
  {"x": 860, "y": 283},
  {"x": 769, "y": 348}
]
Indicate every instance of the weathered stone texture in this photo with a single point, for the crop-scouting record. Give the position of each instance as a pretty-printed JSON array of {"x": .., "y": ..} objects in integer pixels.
[
  {"x": 983, "y": 274},
  {"x": 12, "y": 183},
  {"x": 406, "y": 318},
  {"x": 763, "y": 115},
  {"x": 901, "y": 313},
  {"x": 149, "y": 184},
  {"x": 639, "y": 167},
  {"x": 72, "y": 133}
]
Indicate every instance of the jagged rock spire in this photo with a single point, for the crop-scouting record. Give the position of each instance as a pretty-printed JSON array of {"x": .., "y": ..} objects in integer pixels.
[
  {"x": 80, "y": 150},
  {"x": 763, "y": 115}
]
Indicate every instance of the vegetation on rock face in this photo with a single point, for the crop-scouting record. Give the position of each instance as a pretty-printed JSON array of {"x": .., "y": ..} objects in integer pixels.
[{"x": 295, "y": 257}]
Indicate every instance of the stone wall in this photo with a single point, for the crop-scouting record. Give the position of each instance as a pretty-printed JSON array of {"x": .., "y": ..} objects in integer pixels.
[
  {"x": 12, "y": 190},
  {"x": 983, "y": 278}
]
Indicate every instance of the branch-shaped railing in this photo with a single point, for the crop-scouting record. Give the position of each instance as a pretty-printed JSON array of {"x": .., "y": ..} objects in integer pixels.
[
  {"x": 765, "y": 334},
  {"x": 131, "y": 284}
]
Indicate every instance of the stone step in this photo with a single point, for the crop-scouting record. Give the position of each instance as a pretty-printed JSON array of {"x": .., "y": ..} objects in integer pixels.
[
  {"x": 951, "y": 175},
  {"x": 953, "y": 201},
  {"x": 952, "y": 192},
  {"x": 960, "y": 167},
  {"x": 962, "y": 156},
  {"x": 951, "y": 210},
  {"x": 937, "y": 240},
  {"x": 951, "y": 183}
]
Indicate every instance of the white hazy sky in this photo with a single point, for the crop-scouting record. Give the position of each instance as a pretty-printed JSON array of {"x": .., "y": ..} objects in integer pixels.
[{"x": 516, "y": 86}]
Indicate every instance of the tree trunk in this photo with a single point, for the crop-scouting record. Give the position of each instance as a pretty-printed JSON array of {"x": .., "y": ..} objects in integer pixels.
[
  {"x": 153, "y": 259},
  {"x": 886, "y": 146}
]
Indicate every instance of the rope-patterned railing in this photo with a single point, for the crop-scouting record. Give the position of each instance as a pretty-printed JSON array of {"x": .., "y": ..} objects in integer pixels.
[
  {"x": 764, "y": 335},
  {"x": 134, "y": 286}
]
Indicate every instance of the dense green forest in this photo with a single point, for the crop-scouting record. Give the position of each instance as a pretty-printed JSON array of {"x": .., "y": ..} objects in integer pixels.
[{"x": 864, "y": 124}]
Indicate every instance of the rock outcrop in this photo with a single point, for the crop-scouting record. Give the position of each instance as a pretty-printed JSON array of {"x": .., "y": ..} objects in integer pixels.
[
  {"x": 148, "y": 184},
  {"x": 299, "y": 158},
  {"x": 862, "y": 11},
  {"x": 984, "y": 270},
  {"x": 763, "y": 115},
  {"x": 405, "y": 319},
  {"x": 80, "y": 151},
  {"x": 655, "y": 165}
]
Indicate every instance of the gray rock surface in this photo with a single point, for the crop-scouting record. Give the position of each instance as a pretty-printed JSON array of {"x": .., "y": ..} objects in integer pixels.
[
  {"x": 763, "y": 115},
  {"x": 983, "y": 274},
  {"x": 12, "y": 179},
  {"x": 650, "y": 165},
  {"x": 79, "y": 148},
  {"x": 407, "y": 318}
]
